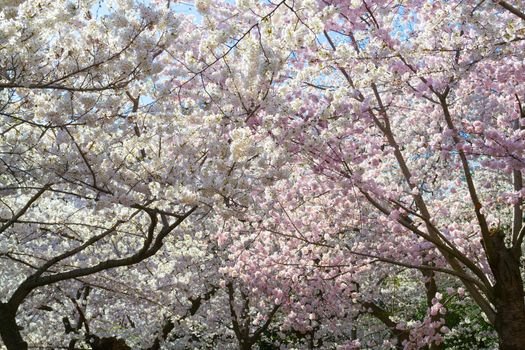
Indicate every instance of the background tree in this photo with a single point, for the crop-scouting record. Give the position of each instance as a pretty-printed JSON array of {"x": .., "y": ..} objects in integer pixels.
[{"x": 405, "y": 109}]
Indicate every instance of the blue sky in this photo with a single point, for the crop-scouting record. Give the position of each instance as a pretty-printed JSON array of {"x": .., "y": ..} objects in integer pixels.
[{"x": 101, "y": 8}]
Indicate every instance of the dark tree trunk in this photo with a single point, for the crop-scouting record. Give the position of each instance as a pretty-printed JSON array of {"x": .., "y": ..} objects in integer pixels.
[
  {"x": 108, "y": 343},
  {"x": 510, "y": 310},
  {"x": 245, "y": 344},
  {"x": 508, "y": 296},
  {"x": 510, "y": 307},
  {"x": 9, "y": 329}
]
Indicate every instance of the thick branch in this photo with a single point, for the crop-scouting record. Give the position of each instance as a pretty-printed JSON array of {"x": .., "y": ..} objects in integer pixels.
[
  {"x": 515, "y": 11},
  {"x": 149, "y": 248}
]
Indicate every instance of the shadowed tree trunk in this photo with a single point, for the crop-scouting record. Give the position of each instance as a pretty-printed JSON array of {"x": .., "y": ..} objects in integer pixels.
[
  {"x": 508, "y": 294},
  {"x": 9, "y": 330},
  {"x": 109, "y": 343}
]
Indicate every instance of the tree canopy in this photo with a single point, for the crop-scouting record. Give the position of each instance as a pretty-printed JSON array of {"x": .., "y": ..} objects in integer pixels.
[{"x": 254, "y": 174}]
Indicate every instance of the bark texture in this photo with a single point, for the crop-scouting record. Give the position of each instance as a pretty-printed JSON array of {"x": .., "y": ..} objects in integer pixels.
[
  {"x": 9, "y": 330},
  {"x": 508, "y": 295}
]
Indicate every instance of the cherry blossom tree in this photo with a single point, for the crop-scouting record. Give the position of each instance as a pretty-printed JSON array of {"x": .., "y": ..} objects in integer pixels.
[
  {"x": 317, "y": 173},
  {"x": 103, "y": 161},
  {"x": 411, "y": 114},
  {"x": 70, "y": 110},
  {"x": 100, "y": 162}
]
